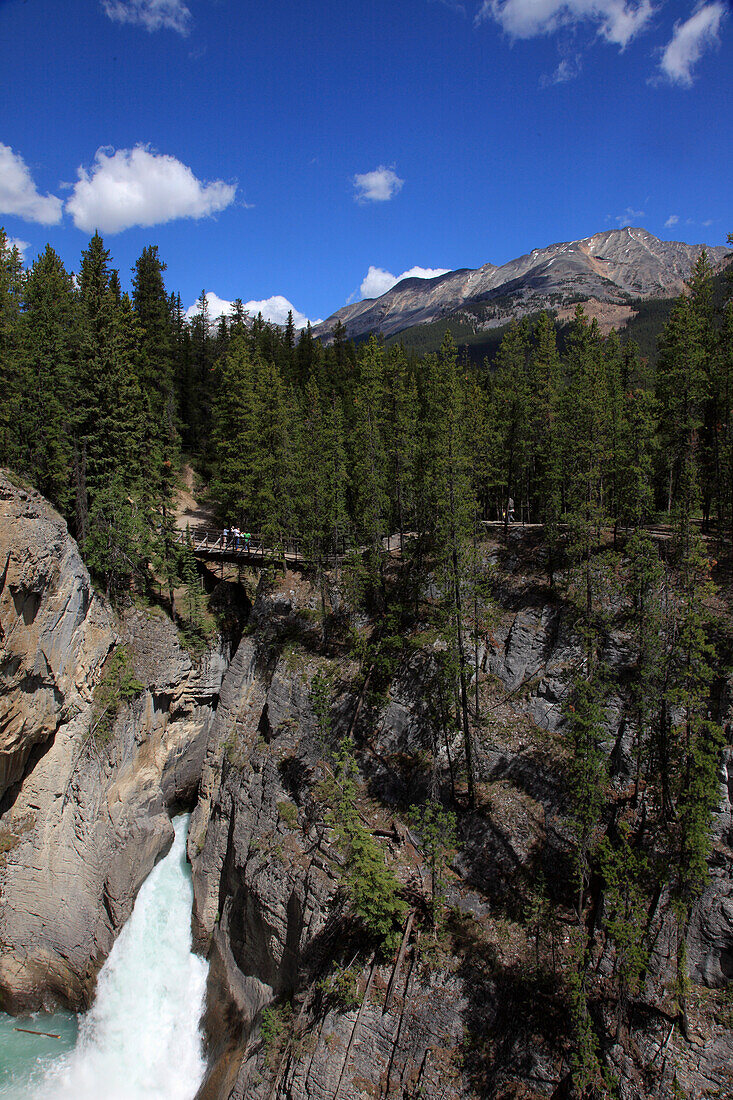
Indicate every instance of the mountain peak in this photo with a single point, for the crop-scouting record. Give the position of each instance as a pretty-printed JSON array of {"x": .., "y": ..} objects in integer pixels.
[{"x": 611, "y": 267}]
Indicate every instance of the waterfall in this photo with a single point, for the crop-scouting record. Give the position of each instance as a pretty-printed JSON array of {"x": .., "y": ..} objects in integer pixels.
[{"x": 141, "y": 1038}]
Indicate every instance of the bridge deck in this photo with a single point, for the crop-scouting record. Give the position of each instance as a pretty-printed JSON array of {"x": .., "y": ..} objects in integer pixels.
[{"x": 211, "y": 544}]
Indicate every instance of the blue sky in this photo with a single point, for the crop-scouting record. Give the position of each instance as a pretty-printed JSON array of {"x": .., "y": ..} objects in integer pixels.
[{"x": 316, "y": 149}]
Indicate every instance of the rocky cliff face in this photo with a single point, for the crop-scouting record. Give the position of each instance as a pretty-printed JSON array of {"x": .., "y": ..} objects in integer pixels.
[
  {"x": 54, "y": 632},
  {"x": 611, "y": 267},
  {"x": 83, "y": 819},
  {"x": 300, "y": 1005}
]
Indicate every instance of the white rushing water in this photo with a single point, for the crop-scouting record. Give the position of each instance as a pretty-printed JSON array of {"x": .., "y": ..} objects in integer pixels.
[{"x": 141, "y": 1038}]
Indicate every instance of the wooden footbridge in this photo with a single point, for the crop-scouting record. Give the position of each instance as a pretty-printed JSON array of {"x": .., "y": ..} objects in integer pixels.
[{"x": 212, "y": 545}]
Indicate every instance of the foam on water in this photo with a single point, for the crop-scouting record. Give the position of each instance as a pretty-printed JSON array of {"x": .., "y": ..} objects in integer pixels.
[{"x": 141, "y": 1039}]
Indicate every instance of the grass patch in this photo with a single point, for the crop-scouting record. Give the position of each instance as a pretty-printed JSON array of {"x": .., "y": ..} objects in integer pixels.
[{"x": 288, "y": 812}]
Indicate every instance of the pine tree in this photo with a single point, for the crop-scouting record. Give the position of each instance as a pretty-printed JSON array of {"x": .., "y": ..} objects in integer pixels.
[
  {"x": 197, "y": 380},
  {"x": 270, "y": 476},
  {"x": 401, "y": 441},
  {"x": 723, "y": 421},
  {"x": 544, "y": 429},
  {"x": 626, "y": 878},
  {"x": 321, "y": 479},
  {"x": 109, "y": 439},
  {"x": 586, "y": 775},
  {"x": 454, "y": 520},
  {"x": 682, "y": 386},
  {"x": 369, "y": 463},
  {"x": 510, "y": 399},
  {"x": 585, "y": 443},
  {"x": 193, "y": 603},
  {"x": 50, "y": 323},
  {"x": 644, "y": 588},
  {"x": 11, "y": 373}
]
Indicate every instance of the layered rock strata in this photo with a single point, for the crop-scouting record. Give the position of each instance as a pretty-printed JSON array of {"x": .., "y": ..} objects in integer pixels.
[{"x": 84, "y": 817}]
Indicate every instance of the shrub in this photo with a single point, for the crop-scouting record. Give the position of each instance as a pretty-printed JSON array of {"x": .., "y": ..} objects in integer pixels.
[
  {"x": 275, "y": 1026},
  {"x": 341, "y": 988},
  {"x": 117, "y": 687}
]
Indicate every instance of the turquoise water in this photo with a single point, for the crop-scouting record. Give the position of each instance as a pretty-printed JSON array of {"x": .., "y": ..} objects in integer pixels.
[
  {"x": 25, "y": 1059},
  {"x": 141, "y": 1038}
]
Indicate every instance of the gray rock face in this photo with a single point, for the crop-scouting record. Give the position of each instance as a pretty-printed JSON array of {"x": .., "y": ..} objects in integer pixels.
[
  {"x": 608, "y": 267},
  {"x": 54, "y": 631},
  {"x": 532, "y": 652},
  {"x": 267, "y": 897},
  {"x": 267, "y": 903},
  {"x": 84, "y": 821}
]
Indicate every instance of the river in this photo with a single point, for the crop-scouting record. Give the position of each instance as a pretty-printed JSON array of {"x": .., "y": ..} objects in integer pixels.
[{"x": 141, "y": 1038}]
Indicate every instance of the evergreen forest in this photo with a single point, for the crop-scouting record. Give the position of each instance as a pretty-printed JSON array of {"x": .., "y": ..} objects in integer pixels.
[{"x": 625, "y": 465}]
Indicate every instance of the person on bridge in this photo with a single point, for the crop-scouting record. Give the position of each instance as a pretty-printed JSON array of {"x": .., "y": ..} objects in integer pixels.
[
  {"x": 225, "y": 538},
  {"x": 247, "y": 537}
]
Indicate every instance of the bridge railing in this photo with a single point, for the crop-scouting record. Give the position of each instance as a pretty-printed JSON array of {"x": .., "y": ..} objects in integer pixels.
[{"x": 205, "y": 540}]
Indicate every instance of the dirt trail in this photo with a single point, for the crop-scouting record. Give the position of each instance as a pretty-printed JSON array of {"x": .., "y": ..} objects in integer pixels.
[{"x": 189, "y": 513}]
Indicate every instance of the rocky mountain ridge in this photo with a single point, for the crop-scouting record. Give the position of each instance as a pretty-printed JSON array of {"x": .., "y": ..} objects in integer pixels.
[{"x": 613, "y": 267}]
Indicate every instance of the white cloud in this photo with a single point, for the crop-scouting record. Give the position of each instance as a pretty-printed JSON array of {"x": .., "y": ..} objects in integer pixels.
[
  {"x": 689, "y": 42},
  {"x": 377, "y": 186},
  {"x": 18, "y": 192},
  {"x": 273, "y": 309},
  {"x": 618, "y": 21},
  {"x": 276, "y": 309},
  {"x": 15, "y": 242},
  {"x": 377, "y": 281},
  {"x": 671, "y": 220},
  {"x": 568, "y": 69},
  {"x": 218, "y": 307},
  {"x": 628, "y": 217},
  {"x": 154, "y": 15},
  {"x": 141, "y": 187}
]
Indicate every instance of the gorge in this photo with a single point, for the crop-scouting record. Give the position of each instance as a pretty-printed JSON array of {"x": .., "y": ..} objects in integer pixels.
[
  {"x": 141, "y": 1036},
  {"x": 299, "y": 1002}
]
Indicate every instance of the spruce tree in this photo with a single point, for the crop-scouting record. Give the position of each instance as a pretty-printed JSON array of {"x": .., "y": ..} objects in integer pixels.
[
  {"x": 50, "y": 324},
  {"x": 369, "y": 463},
  {"x": 234, "y": 432},
  {"x": 11, "y": 373},
  {"x": 544, "y": 429},
  {"x": 155, "y": 358}
]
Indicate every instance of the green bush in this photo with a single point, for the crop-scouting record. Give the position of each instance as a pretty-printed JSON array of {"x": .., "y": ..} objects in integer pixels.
[
  {"x": 275, "y": 1027},
  {"x": 341, "y": 988},
  {"x": 117, "y": 687}
]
